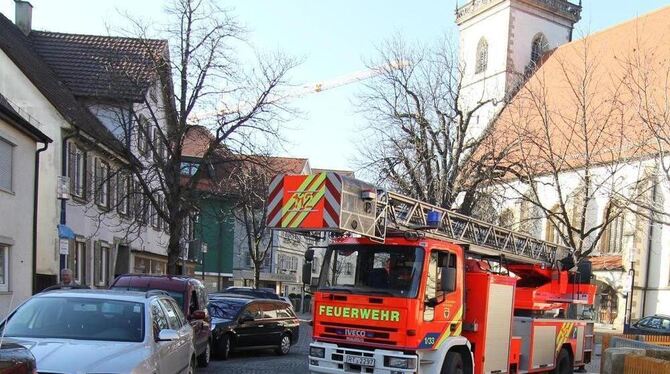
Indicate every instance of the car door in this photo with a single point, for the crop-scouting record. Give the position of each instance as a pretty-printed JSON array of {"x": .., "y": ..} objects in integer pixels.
[
  {"x": 180, "y": 348},
  {"x": 247, "y": 331},
  {"x": 166, "y": 361},
  {"x": 271, "y": 330},
  {"x": 204, "y": 324}
]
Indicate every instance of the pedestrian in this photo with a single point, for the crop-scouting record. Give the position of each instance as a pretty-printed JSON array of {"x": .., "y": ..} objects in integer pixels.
[{"x": 66, "y": 279}]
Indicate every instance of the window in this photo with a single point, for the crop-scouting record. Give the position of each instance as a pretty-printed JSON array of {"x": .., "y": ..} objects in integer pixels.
[
  {"x": 145, "y": 265},
  {"x": 153, "y": 215},
  {"x": 159, "y": 320},
  {"x": 4, "y": 268},
  {"x": 159, "y": 218},
  {"x": 482, "y": 56},
  {"x": 77, "y": 261},
  {"x": 434, "y": 291},
  {"x": 6, "y": 161},
  {"x": 538, "y": 47},
  {"x": 172, "y": 315},
  {"x": 101, "y": 183},
  {"x": 76, "y": 169},
  {"x": 100, "y": 263},
  {"x": 612, "y": 239},
  {"x": 122, "y": 193},
  {"x": 142, "y": 131},
  {"x": 189, "y": 168},
  {"x": 553, "y": 226}
]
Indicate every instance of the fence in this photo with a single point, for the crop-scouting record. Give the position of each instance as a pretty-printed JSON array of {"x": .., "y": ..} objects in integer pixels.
[
  {"x": 657, "y": 346},
  {"x": 645, "y": 365}
]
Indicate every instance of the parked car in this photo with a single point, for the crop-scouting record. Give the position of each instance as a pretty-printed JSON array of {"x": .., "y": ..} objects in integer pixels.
[
  {"x": 103, "y": 331},
  {"x": 656, "y": 324},
  {"x": 191, "y": 297},
  {"x": 242, "y": 324},
  {"x": 265, "y": 293},
  {"x": 16, "y": 359}
]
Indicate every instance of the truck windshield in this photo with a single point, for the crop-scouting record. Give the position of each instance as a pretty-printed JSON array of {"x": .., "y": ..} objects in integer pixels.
[{"x": 372, "y": 269}]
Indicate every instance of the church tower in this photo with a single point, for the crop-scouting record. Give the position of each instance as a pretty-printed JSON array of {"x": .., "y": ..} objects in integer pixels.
[{"x": 502, "y": 40}]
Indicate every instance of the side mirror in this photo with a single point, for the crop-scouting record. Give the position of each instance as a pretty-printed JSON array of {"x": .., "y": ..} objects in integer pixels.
[
  {"x": 199, "y": 315},
  {"x": 448, "y": 280},
  {"x": 167, "y": 335},
  {"x": 307, "y": 272}
]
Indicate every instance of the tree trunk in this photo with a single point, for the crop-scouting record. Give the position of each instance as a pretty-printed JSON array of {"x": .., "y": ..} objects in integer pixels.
[
  {"x": 257, "y": 274},
  {"x": 174, "y": 248}
]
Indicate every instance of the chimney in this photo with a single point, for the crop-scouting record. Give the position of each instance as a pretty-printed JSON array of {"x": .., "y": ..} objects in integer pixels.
[{"x": 23, "y": 18}]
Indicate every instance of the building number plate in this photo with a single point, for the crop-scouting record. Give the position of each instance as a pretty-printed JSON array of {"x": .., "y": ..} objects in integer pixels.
[{"x": 360, "y": 360}]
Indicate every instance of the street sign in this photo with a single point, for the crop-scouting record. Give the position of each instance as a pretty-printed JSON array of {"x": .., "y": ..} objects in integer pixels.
[{"x": 64, "y": 246}]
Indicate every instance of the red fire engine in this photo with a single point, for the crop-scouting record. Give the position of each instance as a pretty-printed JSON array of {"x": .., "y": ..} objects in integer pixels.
[{"x": 408, "y": 287}]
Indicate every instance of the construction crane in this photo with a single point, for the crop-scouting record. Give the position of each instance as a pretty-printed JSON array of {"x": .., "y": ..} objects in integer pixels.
[{"x": 317, "y": 87}]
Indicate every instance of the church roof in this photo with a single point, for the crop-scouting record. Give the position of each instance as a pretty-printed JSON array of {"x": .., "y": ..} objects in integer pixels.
[{"x": 585, "y": 95}]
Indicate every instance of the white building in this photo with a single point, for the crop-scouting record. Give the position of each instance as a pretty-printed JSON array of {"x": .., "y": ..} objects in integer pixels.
[
  {"x": 504, "y": 45},
  {"x": 19, "y": 158},
  {"x": 65, "y": 82}
]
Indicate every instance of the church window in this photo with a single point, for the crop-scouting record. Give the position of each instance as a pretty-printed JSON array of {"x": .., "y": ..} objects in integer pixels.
[
  {"x": 612, "y": 239},
  {"x": 539, "y": 46}
]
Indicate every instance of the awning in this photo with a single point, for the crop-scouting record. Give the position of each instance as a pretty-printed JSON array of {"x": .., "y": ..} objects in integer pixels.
[{"x": 65, "y": 232}]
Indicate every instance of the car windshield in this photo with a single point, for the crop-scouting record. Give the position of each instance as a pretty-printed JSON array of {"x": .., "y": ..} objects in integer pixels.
[
  {"x": 224, "y": 309},
  {"x": 372, "y": 269},
  {"x": 78, "y": 318}
]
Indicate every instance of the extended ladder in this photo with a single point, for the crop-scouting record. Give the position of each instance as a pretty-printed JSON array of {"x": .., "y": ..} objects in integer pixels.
[{"x": 336, "y": 203}]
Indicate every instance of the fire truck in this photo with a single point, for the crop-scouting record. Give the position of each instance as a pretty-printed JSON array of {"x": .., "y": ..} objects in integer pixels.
[{"x": 409, "y": 287}]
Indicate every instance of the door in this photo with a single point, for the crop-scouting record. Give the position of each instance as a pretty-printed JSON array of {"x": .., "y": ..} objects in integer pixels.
[
  {"x": 443, "y": 307},
  {"x": 181, "y": 348},
  {"x": 166, "y": 362},
  {"x": 248, "y": 331},
  {"x": 270, "y": 331}
]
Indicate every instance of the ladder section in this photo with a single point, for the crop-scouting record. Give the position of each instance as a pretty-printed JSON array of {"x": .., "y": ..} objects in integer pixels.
[
  {"x": 335, "y": 203},
  {"x": 401, "y": 213}
]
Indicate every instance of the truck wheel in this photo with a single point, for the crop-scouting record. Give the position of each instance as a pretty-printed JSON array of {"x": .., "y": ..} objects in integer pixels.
[
  {"x": 453, "y": 364},
  {"x": 564, "y": 363}
]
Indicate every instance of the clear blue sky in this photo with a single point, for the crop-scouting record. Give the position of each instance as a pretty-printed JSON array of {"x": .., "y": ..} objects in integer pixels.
[{"x": 333, "y": 37}]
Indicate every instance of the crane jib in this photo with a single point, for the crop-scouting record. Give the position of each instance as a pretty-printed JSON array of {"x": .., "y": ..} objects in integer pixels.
[{"x": 333, "y": 202}]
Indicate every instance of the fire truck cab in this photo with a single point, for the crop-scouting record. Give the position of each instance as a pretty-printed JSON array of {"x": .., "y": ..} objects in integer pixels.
[{"x": 406, "y": 287}]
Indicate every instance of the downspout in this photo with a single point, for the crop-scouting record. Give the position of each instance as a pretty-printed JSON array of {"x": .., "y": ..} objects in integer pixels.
[
  {"x": 63, "y": 202},
  {"x": 652, "y": 222},
  {"x": 36, "y": 181}
]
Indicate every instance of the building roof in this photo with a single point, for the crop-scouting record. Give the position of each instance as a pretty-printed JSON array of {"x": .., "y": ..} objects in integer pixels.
[
  {"x": 606, "y": 263},
  {"x": 8, "y": 113},
  {"x": 346, "y": 173},
  {"x": 101, "y": 66},
  {"x": 614, "y": 129},
  {"x": 20, "y": 50}
]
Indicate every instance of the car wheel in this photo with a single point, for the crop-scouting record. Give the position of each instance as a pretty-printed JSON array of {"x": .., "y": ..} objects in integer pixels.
[
  {"x": 453, "y": 364},
  {"x": 223, "y": 347},
  {"x": 203, "y": 359},
  {"x": 284, "y": 345},
  {"x": 564, "y": 363}
]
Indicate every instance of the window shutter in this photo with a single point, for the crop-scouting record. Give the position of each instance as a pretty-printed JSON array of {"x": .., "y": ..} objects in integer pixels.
[
  {"x": 97, "y": 263},
  {"x": 111, "y": 191},
  {"x": 6, "y": 150},
  {"x": 71, "y": 165}
]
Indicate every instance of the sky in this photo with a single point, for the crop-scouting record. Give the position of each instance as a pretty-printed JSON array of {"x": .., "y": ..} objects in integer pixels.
[{"x": 333, "y": 39}]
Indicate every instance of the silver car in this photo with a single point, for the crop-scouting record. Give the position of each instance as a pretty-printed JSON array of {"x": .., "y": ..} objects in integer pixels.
[{"x": 103, "y": 331}]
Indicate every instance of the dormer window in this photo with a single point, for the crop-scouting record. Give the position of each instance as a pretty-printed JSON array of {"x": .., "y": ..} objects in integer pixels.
[{"x": 482, "y": 56}]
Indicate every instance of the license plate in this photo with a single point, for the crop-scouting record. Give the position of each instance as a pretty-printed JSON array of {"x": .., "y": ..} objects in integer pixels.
[{"x": 359, "y": 360}]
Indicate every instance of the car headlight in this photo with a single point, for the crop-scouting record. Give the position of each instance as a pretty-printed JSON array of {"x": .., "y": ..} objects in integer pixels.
[
  {"x": 400, "y": 362},
  {"x": 317, "y": 352}
]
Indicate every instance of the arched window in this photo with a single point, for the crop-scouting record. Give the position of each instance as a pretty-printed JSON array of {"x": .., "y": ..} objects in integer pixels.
[
  {"x": 538, "y": 47},
  {"x": 612, "y": 238},
  {"x": 554, "y": 225},
  {"x": 482, "y": 56}
]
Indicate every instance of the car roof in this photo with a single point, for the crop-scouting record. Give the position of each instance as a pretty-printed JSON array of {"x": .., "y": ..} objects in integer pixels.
[
  {"x": 100, "y": 294},
  {"x": 166, "y": 282}
]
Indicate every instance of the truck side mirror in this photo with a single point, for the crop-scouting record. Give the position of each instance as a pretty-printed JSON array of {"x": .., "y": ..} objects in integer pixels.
[
  {"x": 448, "y": 279},
  {"x": 307, "y": 273}
]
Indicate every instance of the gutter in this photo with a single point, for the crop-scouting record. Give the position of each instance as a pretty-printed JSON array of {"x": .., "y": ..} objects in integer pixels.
[{"x": 36, "y": 179}]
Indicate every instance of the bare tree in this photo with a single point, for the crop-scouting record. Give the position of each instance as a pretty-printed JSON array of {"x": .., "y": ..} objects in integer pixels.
[
  {"x": 201, "y": 83},
  {"x": 569, "y": 126},
  {"x": 422, "y": 139}
]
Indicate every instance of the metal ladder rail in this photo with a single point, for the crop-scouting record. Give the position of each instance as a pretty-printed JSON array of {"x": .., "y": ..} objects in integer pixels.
[{"x": 398, "y": 212}]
